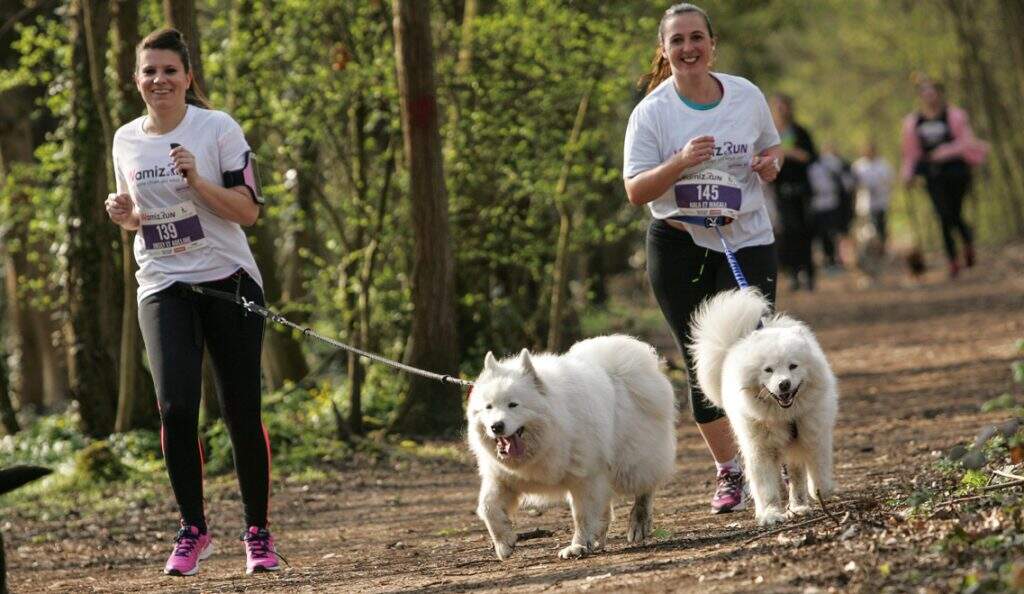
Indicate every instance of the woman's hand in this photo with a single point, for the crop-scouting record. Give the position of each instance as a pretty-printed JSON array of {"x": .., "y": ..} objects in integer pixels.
[
  {"x": 121, "y": 210},
  {"x": 768, "y": 164},
  {"x": 185, "y": 163},
  {"x": 766, "y": 167},
  {"x": 697, "y": 151}
]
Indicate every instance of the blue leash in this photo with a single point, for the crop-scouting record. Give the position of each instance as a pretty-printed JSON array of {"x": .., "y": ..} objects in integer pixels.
[
  {"x": 734, "y": 264},
  {"x": 716, "y": 223}
]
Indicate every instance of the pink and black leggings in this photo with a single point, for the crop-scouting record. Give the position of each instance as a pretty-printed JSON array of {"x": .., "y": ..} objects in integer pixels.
[{"x": 176, "y": 324}]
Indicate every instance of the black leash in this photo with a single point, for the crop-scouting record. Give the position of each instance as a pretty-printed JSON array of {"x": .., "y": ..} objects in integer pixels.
[{"x": 273, "y": 316}]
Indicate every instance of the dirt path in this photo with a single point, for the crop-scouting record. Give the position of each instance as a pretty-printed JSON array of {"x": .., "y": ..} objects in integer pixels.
[{"x": 914, "y": 362}]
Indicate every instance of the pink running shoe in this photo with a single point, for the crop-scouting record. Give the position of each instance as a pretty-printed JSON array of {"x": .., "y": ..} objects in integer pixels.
[
  {"x": 731, "y": 492},
  {"x": 260, "y": 553},
  {"x": 191, "y": 547}
]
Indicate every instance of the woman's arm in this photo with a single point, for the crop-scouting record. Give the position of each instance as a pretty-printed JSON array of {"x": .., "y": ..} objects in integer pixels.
[
  {"x": 232, "y": 204},
  {"x": 964, "y": 144},
  {"x": 650, "y": 185}
]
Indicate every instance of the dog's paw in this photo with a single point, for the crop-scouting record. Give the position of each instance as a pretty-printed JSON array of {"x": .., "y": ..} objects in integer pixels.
[
  {"x": 573, "y": 551},
  {"x": 824, "y": 491},
  {"x": 638, "y": 532},
  {"x": 503, "y": 549},
  {"x": 798, "y": 510},
  {"x": 770, "y": 517}
]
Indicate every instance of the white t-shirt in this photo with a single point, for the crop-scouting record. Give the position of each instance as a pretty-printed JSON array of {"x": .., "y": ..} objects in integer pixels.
[
  {"x": 181, "y": 239},
  {"x": 825, "y": 186},
  {"x": 874, "y": 178},
  {"x": 742, "y": 125}
]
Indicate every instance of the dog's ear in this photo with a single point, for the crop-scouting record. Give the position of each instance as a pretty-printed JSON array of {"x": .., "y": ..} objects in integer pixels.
[
  {"x": 528, "y": 370},
  {"x": 490, "y": 362}
]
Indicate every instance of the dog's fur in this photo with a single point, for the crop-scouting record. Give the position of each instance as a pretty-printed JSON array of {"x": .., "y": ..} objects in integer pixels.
[
  {"x": 779, "y": 393},
  {"x": 582, "y": 426}
]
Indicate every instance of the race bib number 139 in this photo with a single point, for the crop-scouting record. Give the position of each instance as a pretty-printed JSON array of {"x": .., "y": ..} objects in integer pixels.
[{"x": 172, "y": 230}]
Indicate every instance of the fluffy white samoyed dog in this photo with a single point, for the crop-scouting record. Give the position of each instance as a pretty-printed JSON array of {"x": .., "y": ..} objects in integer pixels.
[
  {"x": 779, "y": 393},
  {"x": 582, "y": 426}
]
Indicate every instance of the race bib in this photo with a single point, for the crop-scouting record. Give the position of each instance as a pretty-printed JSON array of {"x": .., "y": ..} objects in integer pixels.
[
  {"x": 173, "y": 230},
  {"x": 708, "y": 193}
]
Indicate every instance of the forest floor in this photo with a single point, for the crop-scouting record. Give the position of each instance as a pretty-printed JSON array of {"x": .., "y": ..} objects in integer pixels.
[{"x": 915, "y": 360}]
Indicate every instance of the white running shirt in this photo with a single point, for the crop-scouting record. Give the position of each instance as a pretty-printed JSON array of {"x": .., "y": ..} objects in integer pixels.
[
  {"x": 181, "y": 239},
  {"x": 874, "y": 177},
  {"x": 661, "y": 125}
]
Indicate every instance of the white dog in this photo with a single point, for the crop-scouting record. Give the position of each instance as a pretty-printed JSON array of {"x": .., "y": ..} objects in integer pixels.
[
  {"x": 581, "y": 426},
  {"x": 778, "y": 391}
]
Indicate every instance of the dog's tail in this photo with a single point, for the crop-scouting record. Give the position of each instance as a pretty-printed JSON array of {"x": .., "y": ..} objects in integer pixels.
[
  {"x": 637, "y": 365},
  {"x": 718, "y": 324}
]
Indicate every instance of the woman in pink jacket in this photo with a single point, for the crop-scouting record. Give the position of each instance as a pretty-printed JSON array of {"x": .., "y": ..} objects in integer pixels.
[{"x": 938, "y": 144}]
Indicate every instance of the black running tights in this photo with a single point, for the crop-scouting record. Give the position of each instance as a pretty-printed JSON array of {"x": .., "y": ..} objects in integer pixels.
[{"x": 176, "y": 324}]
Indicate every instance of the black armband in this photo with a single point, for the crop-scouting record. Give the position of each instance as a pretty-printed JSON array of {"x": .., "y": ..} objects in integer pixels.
[{"x": 248, "y": 177}]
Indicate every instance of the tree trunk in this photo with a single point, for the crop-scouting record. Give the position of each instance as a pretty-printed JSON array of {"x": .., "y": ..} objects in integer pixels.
[
  {"x": 429, "y": 407},
  {"x": 282, "y": 358},
  {"x": 560, "y": 280},
  {"x": 39, "y": 377},
  {"x": 91, "y": 286},
  {"x": 181, "y": 14},
  {"x": 136, "y": 399},
  {"x": 8, "y": 419}
]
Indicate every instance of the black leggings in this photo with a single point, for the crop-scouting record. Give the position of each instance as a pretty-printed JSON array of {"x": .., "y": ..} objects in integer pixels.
[
  {"x": 683, "y": 275},
  {"x": 176, "y": 323},
  {"x": 947, "y": 191}
]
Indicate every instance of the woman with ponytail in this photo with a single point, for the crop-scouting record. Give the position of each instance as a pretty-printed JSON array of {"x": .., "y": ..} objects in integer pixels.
[
  {"x": 698, "y": 149},
  {"x": 185, "y": 182}
]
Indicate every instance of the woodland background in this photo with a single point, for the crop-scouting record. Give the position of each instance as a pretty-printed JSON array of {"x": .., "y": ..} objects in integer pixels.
[{"x": 507, "y": 236}]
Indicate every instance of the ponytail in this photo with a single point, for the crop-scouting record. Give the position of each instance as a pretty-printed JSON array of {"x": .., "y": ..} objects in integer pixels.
[{"x": 660, "y": 70}]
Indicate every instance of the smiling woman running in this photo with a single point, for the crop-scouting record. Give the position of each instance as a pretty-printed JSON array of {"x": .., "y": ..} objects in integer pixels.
[
  {"x": 699, "y": 146},
  {"x": 185, "y": 183}
]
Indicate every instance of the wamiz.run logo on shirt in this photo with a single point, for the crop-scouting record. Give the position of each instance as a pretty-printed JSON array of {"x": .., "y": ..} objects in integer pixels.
[
  {"x": 154, "y": 175},
  {"x": 731, "y": 148}
]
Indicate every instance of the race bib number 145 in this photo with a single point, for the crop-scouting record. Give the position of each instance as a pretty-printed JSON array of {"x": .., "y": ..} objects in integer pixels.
[{"x": 708, "y": 193}]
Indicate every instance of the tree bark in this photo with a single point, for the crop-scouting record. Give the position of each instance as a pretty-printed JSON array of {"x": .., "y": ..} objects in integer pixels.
[
  {"x": 136, "y": 399},
  {"x": 429, "y": 407},
  {"x": 8, "y": 419},
  {"x": 91, "y": 289},
  {"x": 282, "y": 358},
  {"x": 181, "y": 14},
  {"x": 560, "y": 280},
  {"x": 39, "y": 377}
]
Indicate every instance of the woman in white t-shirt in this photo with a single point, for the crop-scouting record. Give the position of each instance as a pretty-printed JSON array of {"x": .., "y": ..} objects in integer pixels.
[
  {"x": 874, "y": 178},
  {"x": 702, "y": 143},
  {"x": 185, "y": 183}
]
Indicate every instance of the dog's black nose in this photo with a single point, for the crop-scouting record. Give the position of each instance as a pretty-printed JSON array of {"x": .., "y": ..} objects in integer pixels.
[
  {"x": 784, "y": 386},
  {"x": 498, "y": 428}
]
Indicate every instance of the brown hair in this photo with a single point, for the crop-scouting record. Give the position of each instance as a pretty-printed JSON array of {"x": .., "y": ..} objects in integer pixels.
[
  {"x": 173, "y": 40},
  {"x": 660, "y": 67}
]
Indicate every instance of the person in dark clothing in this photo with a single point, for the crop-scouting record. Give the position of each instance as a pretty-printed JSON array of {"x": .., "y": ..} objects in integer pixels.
[
  {"x": 939, "y": 145},
  {"x": 793, "y": 194}
]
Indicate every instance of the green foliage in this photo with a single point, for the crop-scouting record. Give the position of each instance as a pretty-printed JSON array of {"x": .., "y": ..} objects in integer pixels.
[
  {"x": 313, "y": 84},
  {"x": 46, "y": 441},
  {"x": 97, "y": 462},
  {"x": 1001, "y": 402}
]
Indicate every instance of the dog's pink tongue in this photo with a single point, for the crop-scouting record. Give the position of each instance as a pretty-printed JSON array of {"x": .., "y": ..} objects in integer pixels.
[{"x": 515, "y": 445}]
